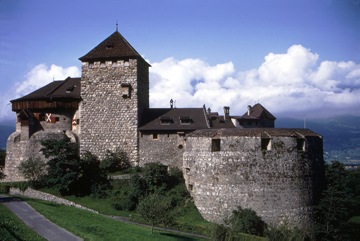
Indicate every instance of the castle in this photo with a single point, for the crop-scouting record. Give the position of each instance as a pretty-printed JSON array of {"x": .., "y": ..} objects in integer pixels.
[{"x": 227, "y": 160}]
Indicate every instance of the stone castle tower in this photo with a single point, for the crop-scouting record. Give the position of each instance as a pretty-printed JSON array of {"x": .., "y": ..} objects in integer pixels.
[{"x": 114, "y": 93}]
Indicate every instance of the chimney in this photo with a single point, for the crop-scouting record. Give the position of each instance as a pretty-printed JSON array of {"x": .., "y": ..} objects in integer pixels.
[
  {"x": 226, "y": 113},
  {"x": 249, "y": 110},
  {"x": 171, "y": 103}
]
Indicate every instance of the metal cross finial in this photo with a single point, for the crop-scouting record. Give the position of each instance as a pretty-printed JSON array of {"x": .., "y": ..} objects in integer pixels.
[{"x": 117, "y": 26}]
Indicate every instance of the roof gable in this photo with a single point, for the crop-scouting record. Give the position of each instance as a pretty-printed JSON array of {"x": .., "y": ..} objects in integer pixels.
[
  {"x": 112, "y": 48},
  {"x": 258, "y": 112},
  {"x": 63, "y": 89}
]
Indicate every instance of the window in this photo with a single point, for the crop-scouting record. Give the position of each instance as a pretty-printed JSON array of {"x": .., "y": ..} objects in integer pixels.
[
  {"x": 185, "y": 120},
  {"x": 125, "y": 90},
  {"x": 301, "y": 144},
  {"x": 165, "y": 120},
  {"x": 266, "y": 144},
  {"x": 215, "y": 145},
  {"x": 155, "y": 136}
]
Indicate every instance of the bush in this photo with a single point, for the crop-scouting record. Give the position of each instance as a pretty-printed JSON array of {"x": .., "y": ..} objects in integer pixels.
[
  {"x": 128, "y": 198},
  {"x": 115, "y": 161},
  {"x": 34, "y": 169},
  {"x": 240, "y": 221},
  {"x": 156, "y": 177},
  {"x": 284, "y": 233},
  {"x": 246, "y": 221}
]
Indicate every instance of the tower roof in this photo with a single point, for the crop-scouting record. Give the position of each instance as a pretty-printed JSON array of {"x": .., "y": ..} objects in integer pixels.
[
  {"x": 258, "y": 111},
  {"x": 112, "y": 48}
]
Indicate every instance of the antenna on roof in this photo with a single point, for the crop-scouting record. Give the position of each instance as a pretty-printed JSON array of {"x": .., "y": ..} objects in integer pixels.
[{"x": 117, "y": 26}]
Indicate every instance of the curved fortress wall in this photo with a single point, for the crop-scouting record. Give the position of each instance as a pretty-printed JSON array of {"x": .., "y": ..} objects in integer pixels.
[{"x": 275, "y": 172}]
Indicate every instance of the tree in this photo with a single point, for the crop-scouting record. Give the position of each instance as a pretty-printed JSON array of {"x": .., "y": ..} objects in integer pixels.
[
  {"x": 156, "y": 209},
  {"x": 63, "y": 164},
  {"x": 334, "y": 208},
  {"x": 2, "y": 163},
  {"x": 34, "y": 169},
  {"x": 71, "y": 174}
]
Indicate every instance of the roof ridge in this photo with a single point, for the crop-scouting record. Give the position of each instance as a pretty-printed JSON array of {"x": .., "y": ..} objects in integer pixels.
[{"x": 62, "y": 82}]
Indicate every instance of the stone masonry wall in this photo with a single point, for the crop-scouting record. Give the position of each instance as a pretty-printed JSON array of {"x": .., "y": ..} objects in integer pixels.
[
  {"x": 29, "y": 192},
  {"x": 278, "y": 183},
  {"x": 167, "y": 149},
  {"x": 18, "y": 151},
  {"x": 108, "y": 119}
]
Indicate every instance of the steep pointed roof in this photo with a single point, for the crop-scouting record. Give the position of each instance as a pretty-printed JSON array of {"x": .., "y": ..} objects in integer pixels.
[
  {"x": 258, "y": 111},
  {"x": 112, "y": 48}
]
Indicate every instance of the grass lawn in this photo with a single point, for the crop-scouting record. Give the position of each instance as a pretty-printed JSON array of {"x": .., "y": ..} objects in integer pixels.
[
  {"x": 12, "y": 228},
  {"x": 355, "y": 219},
  {"x": 92, "y": 226},
  {"x": 188, "y": 220}
]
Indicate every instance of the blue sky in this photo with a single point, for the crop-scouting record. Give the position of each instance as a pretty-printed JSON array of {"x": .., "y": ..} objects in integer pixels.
[{"x": 295, "y": 57}]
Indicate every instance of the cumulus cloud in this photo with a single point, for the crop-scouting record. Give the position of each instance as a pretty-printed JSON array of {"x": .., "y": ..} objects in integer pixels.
[
  {"x": 37, "y": 77},
  {"x": 294, "y": 83},
  {"x": 41, "y": 75}
]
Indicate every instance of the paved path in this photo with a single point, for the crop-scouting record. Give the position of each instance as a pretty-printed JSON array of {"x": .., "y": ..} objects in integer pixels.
[{"x": 37, "y": 222}]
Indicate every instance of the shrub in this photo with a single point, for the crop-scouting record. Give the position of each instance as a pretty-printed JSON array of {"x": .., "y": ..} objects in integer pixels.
[
  {"x": 115, "y": 161},
  {"x": 128, "y": 198},
  {"x": 246, "y": 221},
  {"x": 283, "y": 233},
  {"x": 156, "y": 176},
  {"x": 240, "y": 221},
  {"x": 34, "y": 169}
]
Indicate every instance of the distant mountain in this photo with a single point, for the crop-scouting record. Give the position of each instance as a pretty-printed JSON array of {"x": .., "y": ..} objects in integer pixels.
[
  {"x": 6, "y": 128},
  {"x": 341, "y": 135}
]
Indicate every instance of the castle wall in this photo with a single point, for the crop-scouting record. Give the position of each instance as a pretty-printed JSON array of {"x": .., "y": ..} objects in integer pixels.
[
  {"x": 113, "y": 97},
  {"x": 279, "y": 184},
  {"x": 166, "y": 148},
  {"x": 18, "y": 150}
]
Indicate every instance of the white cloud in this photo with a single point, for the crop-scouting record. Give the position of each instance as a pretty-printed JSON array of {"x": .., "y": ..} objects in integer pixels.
[
  {"x": 292, "y": 83},
  {"x": 41, "y": 75},
  {"x": 37, "y": 77}
]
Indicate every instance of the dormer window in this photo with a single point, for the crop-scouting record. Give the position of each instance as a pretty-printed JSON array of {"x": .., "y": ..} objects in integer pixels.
[
  {"x": 185, "y": 120},
  {"x": 125, "y": 90},
  {"x": 70, "y": 89},
  {"x": 165, "y": 120}
]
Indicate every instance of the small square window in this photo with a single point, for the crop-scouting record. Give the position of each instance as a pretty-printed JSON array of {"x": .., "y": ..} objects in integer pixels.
[
  {"x": 155, "y": 136},
  {"x": 215, "y": 145},
  {"x": 125, "y": 90},
  {"x": 265, "y": 144},
  {"x": 301, "y": 144}
]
